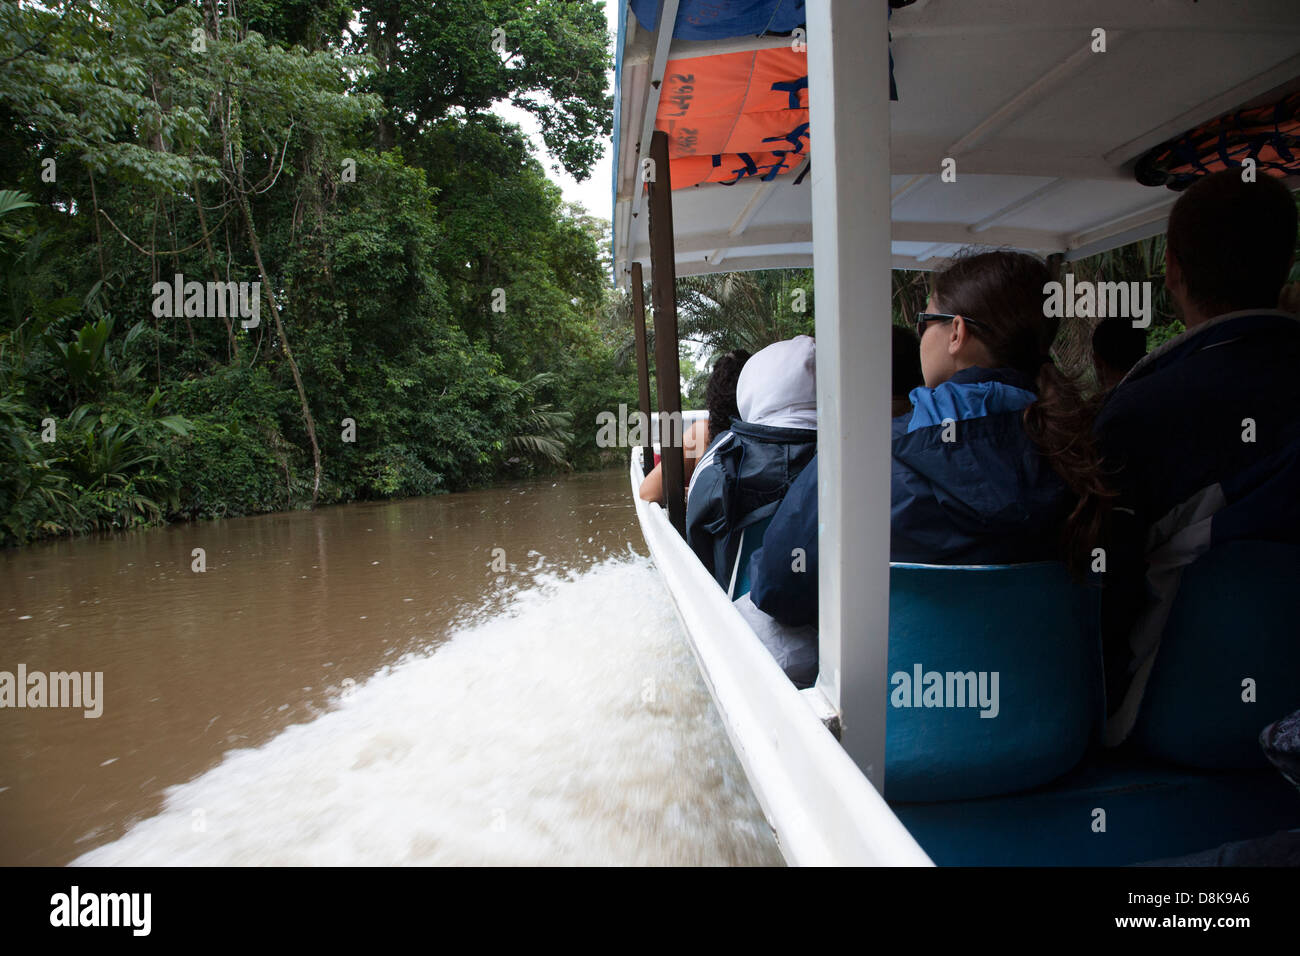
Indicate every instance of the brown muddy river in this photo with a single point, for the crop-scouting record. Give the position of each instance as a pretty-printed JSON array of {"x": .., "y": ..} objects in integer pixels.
[{"x": 369, "y": 684}]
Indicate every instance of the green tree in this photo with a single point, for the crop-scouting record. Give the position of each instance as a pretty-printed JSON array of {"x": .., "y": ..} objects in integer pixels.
[
  {"x": 245, "y": 152},
  {"x": 433, "y": 60}
]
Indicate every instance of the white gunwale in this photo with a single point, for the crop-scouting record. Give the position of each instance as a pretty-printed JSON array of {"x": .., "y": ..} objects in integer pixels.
[{"x": 822, "y": 809}]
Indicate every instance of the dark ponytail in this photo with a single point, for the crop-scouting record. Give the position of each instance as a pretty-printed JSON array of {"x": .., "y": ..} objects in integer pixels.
[
  {"x": 1004, "y": 293},
  {"x": 1060, "y": 426}
]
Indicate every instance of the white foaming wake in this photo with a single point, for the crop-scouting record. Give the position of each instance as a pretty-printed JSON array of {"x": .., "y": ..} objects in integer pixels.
[{"x": 572, "y": 729}]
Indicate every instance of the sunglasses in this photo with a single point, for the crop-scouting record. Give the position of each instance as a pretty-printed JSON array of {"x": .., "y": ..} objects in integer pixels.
[{"x": 924, "y": 318}]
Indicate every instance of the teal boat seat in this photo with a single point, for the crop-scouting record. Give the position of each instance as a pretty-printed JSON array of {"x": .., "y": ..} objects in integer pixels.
[
  {"x": 1027, "y": 632},
  {"x": 1115, "y": 809},
  {"x": 1236, "y": 618}
]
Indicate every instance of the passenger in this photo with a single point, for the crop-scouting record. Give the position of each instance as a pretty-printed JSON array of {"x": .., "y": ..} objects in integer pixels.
[
  {"x": 783, "y": 577},
  {"x": 1116, "y": 347},
  {"x": 744, "y": 475},
  {"x": 994, "y": 465},
  {"x": 720, "y": 399},
  {"x": 906, "y": 369},
  {"x": 1204, "y": 433}
]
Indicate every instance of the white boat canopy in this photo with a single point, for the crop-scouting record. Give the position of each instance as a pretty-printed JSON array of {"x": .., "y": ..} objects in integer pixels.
[{"x": 1036, "y": 110}]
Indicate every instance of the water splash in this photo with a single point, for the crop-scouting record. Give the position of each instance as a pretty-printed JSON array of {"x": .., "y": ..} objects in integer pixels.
[{"x": 571, "y": 728}]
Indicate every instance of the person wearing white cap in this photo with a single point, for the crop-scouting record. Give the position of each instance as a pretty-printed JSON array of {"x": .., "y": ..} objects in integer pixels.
[{"x": 741, "y": 479}]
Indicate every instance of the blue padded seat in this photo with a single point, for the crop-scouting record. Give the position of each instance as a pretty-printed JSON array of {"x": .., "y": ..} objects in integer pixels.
[
  {"x": 1034, "y": 627},
  {"x": 1115, "y": 809},
  {"x": 1236, "y": 616}
]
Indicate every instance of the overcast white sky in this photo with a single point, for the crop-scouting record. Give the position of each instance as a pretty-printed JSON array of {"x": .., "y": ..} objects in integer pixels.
[{"x": 595, "y": 192}]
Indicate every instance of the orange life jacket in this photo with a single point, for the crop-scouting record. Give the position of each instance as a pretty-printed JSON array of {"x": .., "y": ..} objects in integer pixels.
[{"x": 1270, "y": 135}]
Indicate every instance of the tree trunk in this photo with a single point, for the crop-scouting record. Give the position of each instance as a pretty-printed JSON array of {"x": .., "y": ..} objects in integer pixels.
[
  {"x": 284, "y": 341},
  {"x": 236, "y": 140}
]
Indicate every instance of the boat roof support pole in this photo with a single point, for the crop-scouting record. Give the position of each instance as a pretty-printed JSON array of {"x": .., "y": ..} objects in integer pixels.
[
  {"x": 663, "y": 277},
  {"x": 642, "y": 363},
  {"x": 848, "y": 95},
  {"x": 667, "y": 22}
]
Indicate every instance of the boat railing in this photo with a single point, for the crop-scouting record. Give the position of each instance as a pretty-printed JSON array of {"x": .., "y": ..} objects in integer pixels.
[{"x": 821, "y": 806}]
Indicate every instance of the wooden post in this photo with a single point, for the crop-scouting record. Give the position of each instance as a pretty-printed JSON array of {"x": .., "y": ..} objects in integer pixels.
[
  {"x": 642, "y": 364},
  {"x": 663, "y": 274}
]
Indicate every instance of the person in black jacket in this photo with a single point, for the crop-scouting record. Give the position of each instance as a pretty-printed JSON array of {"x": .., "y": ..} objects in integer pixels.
[
  {"x": 1203, "y": 434},
  {"x": 791, "y": 597},
  {"x": 746, "y": 472}
]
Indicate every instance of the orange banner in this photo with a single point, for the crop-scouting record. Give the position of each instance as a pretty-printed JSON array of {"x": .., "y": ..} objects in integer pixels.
[{"x": 735, "y": 115}]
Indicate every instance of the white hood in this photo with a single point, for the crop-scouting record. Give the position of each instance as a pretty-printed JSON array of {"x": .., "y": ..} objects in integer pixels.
[{"x": 778, "y": 386}]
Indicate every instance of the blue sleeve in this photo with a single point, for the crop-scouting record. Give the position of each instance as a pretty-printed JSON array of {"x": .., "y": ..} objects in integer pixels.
[{"x": 777, "y": 588}]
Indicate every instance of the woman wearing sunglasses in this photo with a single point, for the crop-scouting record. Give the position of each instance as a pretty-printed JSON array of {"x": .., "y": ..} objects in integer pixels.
[{"x": 996, "y": 463}]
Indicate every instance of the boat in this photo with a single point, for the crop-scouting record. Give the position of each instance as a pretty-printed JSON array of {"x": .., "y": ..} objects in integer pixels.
[{"x": 761, "y": 134}]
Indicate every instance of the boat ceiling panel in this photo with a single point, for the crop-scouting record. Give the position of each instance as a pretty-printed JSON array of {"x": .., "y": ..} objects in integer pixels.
[
  {"x": 948, "y": 83},
  {"x": 971, "y": 198},
  {"x": 1143, "y": 79},
  {"x": 1044, "y": 131}
]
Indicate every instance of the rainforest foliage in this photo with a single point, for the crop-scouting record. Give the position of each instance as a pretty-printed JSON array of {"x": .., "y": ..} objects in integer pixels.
[{"x": 413, "y": 307}]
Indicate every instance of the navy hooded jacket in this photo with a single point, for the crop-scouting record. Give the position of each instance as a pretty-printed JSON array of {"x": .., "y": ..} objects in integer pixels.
[
  {"x": 976, "y": 491},
  {"x": 967, "y": 487},
  {"x": 742, "y": 477},
  {"x": 753, "y": 468}
]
